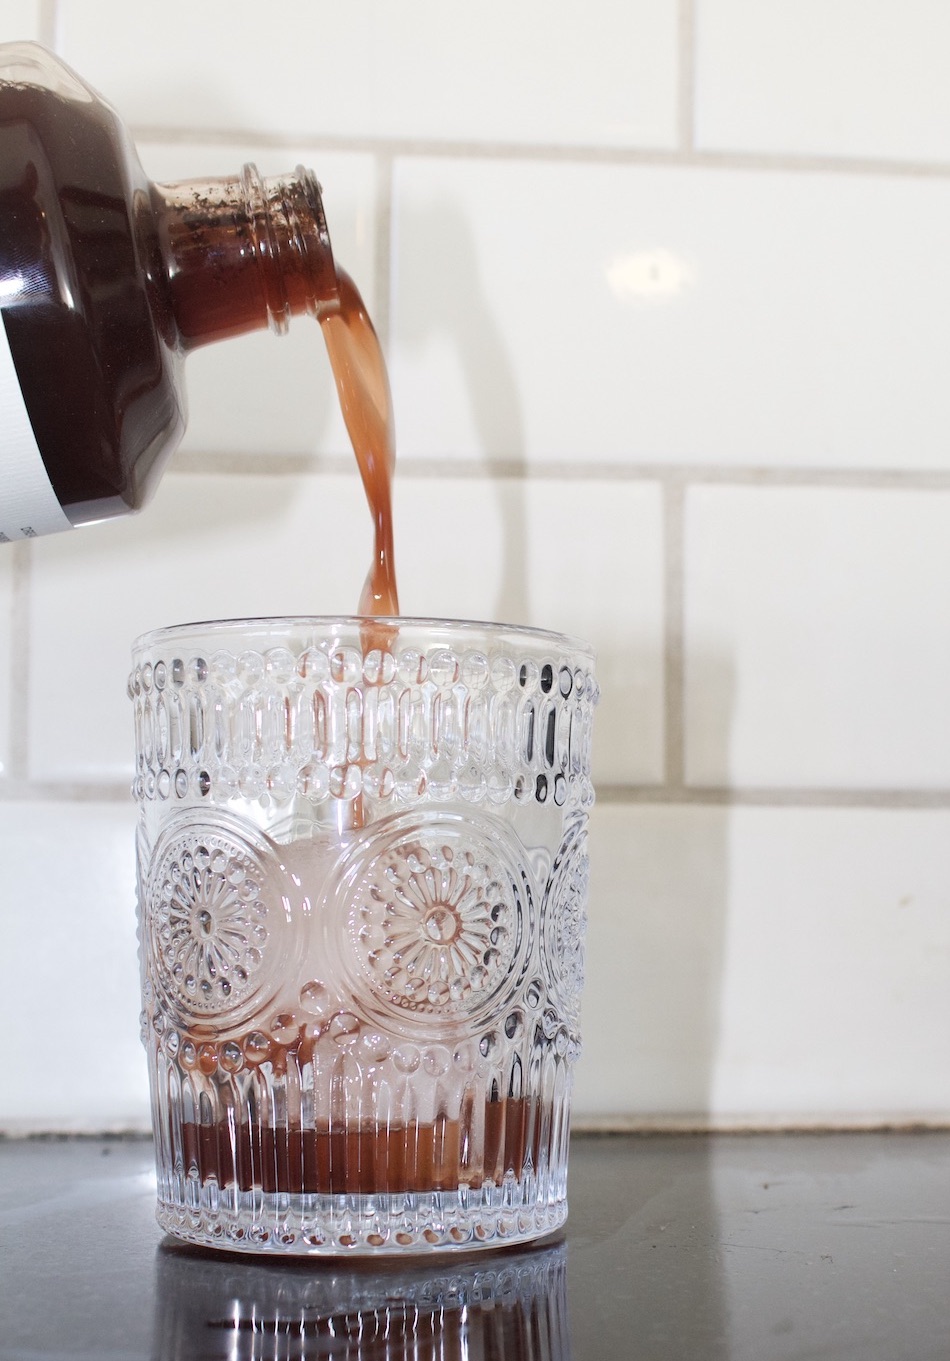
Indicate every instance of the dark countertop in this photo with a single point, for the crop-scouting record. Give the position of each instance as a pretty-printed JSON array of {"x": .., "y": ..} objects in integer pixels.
[{"x": 758, "y": 1247}]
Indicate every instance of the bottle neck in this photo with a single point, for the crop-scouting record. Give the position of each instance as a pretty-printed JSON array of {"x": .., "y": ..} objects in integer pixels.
[{"x": 244, "y": 252}]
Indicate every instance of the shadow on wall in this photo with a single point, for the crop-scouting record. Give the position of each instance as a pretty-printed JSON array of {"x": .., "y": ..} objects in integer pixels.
[
  {"x": 656, "y": 946},
  {"x": 438, "y": 245},
  {"x": 660, "y": 871}
]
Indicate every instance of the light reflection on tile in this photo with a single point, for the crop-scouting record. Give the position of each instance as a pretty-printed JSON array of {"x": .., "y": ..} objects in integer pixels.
[{"x": 550, "y": 312}]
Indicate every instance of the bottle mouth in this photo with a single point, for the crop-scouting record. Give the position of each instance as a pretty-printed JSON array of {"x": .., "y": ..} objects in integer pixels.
[{"x": 288, "y": 224}]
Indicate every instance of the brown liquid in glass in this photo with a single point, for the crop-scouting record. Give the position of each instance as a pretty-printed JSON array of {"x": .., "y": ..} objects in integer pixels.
[{"x": 334, "y": 1160}]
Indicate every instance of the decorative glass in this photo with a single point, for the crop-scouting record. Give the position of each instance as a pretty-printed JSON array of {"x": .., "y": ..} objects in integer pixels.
[{"x": 362, "y": 886}]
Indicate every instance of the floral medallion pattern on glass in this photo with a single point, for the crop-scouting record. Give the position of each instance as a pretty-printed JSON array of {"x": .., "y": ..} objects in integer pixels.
[
  {"x": 211, "y": 920},
  {"x": 564, "y": 921},
  {"x": 436, "y": 919}
]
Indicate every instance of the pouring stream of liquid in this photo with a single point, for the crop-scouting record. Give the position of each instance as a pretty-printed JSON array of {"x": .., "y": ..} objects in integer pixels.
[{"x": 365, "y": 400}]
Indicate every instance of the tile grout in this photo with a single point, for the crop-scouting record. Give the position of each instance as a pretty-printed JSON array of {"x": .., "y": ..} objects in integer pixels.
[
  {"x": 686, "y": 111},
  {"x": 607, "y": 795},
  {"x": 48, "y": 24},
  {"x": 773, "y": 797},
  {"x": 66, "y": 791},
  {"x": 195, "y": 462},
  {"x": 674, "y": 643},
  {"x": 19, "y": 662},
  {"x": 382, "y": 310},
  {"x": 693, "y": 158}
]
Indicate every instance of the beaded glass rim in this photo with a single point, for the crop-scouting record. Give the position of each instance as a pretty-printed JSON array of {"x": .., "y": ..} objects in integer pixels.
[{"x": 333, "y": 626}]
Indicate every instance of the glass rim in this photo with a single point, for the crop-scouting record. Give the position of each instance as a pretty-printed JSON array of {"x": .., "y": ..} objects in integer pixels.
[{"x": 564, "y": 642}]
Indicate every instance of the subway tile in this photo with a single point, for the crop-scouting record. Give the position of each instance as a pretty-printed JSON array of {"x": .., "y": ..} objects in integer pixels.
[
  {"x": 68, "y": 968},
  {"x": 817, "y": 652},
  {"x": 562, "y": 74},
  {"x": 767, "y": 964},
  {"x": 824, "y": 77},
  {"x": 6, "y": 654},
  {"x": 225, "y": 546},
  {"x": 657, "y": 315},
  {"x": 22, "y": 21},
  {"x": 583, "y": 558},
  {"x": 742, "y": 964},
  {"x": 654, "y": 937},
  {"x": 265, "y": 394},
  {"x": 208, "y": 547}
]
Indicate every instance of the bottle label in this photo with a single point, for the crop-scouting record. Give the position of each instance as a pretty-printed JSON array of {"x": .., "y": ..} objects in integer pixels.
[{"x": 28, "y": 504}]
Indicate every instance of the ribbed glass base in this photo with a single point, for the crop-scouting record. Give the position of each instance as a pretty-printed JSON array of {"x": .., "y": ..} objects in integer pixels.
[
  {"x": 473, "y": 1172},
  {"x": 327, "y": 1225}
]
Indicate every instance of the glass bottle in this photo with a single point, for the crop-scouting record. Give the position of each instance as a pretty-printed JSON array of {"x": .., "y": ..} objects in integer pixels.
[{"x": 108, "y": 280}]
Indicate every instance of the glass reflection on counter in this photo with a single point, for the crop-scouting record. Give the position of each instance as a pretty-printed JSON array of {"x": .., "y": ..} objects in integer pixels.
[{"x": 510, "y": 1305}]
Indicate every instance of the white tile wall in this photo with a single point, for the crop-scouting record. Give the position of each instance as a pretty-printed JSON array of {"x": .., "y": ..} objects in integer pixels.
[
  {"x": 208, "y": 548},
  {"x": 768, "y": 963},
  {"x": 562, "y": 73},
  {"x": 6, "y": 658},
  {"x": 577, "y": 557},
  {"x": 640, "y": 314},
  {"x": 665, "y": 291},
  {"x": 832, "y": 993},
  {"x": 864, "y": 78},
  {"x": 264, "y": 545},
  {"x": 22, "y": 20},
  {"x": 818, "y": 652},
  {"x": 68, "y": 970}
]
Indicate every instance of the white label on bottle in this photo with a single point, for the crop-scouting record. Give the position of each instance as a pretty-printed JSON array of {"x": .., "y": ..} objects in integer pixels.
[{"x": 28, "y": 504}]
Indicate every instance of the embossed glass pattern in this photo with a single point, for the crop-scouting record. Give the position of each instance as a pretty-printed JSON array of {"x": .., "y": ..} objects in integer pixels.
[{"x": 362, "y": 883}]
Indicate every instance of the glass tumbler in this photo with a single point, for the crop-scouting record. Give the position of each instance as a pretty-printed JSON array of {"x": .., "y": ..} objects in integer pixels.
[{"x": 362, "y": 893}]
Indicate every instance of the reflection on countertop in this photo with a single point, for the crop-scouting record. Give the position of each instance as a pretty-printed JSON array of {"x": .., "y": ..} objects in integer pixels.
[
  {"x": 725, "y": 1248},
  {"x": 497, "y": 1305}
]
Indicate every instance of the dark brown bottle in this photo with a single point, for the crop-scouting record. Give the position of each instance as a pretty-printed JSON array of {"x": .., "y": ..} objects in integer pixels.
[{"x": 107, "y": 280}]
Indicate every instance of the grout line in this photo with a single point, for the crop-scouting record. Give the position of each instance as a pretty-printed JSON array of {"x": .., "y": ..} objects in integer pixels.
[
  {"x": 20, "y": 661},
  {"x": 773, "y": 797},
  {"x": 803, "y": 1125},
  {"x": 383, "y": 248},
  {"x": 251, "y": 464},
  {"x": 200, "y": 463},
  {"x": 612, "y": 795},
  {"x": 686, "y": 112},
  {"x": 674, "y": 544},
  {"x": 48, "y": 24},
  {"x": 593, "y": 154},
  {"x": 584, "y": 1125},
  {"x": 930, "y": 479},
  {"x": 68, "y": 791}
]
